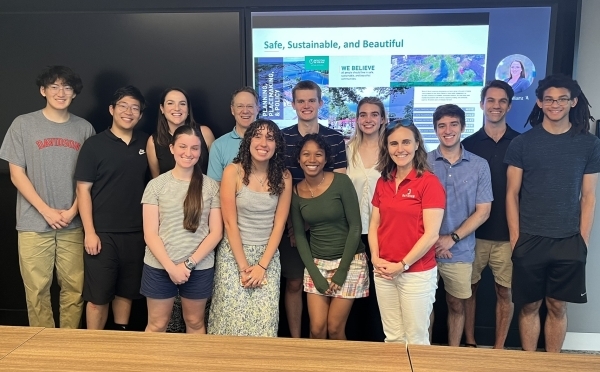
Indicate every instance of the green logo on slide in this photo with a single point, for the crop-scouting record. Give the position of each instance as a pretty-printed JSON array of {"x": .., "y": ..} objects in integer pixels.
[{"x": 316, "y": 63}]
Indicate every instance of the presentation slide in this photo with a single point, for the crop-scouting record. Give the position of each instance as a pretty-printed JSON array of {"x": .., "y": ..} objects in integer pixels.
[{"x": 412, "y": 68}]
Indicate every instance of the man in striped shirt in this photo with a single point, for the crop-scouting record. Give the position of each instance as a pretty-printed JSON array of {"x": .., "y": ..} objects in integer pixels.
[{"x": 306, "y": 100}]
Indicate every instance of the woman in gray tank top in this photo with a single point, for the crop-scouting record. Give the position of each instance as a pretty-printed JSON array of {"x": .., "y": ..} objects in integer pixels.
[{"x": 255, "y": 200}]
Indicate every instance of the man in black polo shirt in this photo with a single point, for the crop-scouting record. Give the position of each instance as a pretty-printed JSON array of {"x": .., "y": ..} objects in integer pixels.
[
  {"x": 492, "y": 245},
  {"x": 111, "y": 175}
]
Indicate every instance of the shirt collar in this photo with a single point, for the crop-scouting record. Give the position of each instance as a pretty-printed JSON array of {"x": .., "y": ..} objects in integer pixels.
[
  {"x": 464, "y": 154},
  {"x": 509, "y": 134},
  {"x": 234, "y": 134},
  {"x": 409, "y": 177},
  {"x": 112, "y": 136}
]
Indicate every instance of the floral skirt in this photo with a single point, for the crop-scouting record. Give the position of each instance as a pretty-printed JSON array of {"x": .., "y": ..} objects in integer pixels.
[{"x": 239, "y": 311}]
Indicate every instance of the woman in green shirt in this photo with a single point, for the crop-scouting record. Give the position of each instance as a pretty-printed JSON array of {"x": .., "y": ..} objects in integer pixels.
[{"x": 335, "y": 260}]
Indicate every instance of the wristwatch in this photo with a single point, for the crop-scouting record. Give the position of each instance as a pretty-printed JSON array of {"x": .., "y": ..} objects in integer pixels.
[
  {"x": 190, "y": 264},
  {"x": 455, "y": 237},
  {"x": 405, "y": 265}
]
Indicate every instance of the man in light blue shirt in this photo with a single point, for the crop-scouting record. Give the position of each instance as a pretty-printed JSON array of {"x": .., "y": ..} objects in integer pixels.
[
  {"x": 467, "y": 181},
  {"x": 244, "y": 108}
]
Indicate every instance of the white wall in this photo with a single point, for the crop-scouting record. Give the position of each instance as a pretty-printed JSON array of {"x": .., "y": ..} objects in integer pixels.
[{"x": 584, "y": 321}]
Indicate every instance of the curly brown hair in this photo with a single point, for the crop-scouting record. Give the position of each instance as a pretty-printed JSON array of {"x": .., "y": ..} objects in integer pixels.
[{"x": 277, "y": 168}]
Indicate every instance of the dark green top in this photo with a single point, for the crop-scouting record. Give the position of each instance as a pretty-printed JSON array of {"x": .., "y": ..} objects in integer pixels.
[{"x": 335, "y": 228}]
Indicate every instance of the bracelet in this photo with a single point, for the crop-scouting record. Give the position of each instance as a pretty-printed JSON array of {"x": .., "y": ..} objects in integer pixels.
[
  {"x": 242, "y": 270},
  {"x": 264, "y": 268}
]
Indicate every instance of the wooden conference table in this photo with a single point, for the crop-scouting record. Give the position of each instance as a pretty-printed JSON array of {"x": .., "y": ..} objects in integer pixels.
[
  {"x": 12, "y": 338},
  {"x": 453, "y": 359},
  {"x": 45, "y": 349},
  {"x": 81, "y": 350}
]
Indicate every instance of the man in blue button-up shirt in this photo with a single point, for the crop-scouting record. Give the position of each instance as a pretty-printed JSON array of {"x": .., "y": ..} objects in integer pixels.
[{"x": 467, "y": 181}]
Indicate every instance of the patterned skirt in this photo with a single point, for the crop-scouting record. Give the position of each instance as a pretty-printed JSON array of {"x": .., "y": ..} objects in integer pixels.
[
  {"x": 239, "y": 311},
  {"x": 357, "y": 280}
]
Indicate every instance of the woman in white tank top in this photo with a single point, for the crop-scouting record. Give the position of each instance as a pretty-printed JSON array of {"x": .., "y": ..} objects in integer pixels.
[{"x": 363, "y": 152}]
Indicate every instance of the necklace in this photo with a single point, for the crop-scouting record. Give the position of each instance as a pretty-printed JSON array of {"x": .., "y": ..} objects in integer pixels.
[
  {"x": 259, "y": 180},
  {"x": 312, "y": 195}
]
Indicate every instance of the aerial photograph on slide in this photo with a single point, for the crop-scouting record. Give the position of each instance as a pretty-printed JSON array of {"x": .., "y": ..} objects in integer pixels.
[
  {"x": 275, "y": 78},
  {"x": 437, "y": 70}
]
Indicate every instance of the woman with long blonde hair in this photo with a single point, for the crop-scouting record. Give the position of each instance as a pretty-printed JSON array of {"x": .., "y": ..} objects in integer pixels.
[{"x": 362, "y": 152}]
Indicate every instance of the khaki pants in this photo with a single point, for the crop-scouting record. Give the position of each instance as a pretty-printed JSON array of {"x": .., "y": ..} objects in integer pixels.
[{"x": 39, "y": 253}]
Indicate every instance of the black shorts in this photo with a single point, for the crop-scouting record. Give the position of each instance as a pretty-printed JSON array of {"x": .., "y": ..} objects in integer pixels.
[
  {"x": 549, "y": 267},
  {"x": 292, "y": 266},
  {"x": 116, "y": 270}
]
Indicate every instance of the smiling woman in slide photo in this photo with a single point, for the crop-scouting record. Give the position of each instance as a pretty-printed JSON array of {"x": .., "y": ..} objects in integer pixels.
[{"x": 517, "y": 78}]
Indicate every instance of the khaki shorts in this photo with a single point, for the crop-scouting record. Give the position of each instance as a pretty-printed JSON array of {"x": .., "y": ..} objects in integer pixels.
[
  {"x": 498, "y": 255},
  {"x": 457, "y": 278}
]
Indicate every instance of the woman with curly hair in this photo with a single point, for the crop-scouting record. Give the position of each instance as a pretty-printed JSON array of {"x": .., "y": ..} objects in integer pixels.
[{"x": 255, "y": 195}]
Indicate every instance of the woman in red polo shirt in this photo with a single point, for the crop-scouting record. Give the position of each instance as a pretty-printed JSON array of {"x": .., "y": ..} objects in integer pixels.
[{"x": 408, "y": 207}]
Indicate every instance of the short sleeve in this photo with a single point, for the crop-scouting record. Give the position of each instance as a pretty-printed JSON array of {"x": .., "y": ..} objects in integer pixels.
[
  {"x": 484, "y": 184},
  {"x": 90, "y": 131},
  {"x": 514, "y": 153},
  {"x": 86, "y": 168},
  {"x": 433, "y": 195},
  {"x": 150, "y": 195},
  {"x": 215, "y": 167},
  {"x": 12, "y": 148},
  {"x": 377, "y": 193},
  {"x": 216, "y": 199},
  {"x": 593, "y": 164}
]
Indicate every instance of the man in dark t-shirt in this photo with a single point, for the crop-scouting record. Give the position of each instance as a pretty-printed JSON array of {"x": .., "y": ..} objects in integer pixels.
[
  {"x": 552, "y": 176},
  {"x": 111, "y": 175},
  {"x": 492, "y": 246},
  {"x": 307, "y": 101}
]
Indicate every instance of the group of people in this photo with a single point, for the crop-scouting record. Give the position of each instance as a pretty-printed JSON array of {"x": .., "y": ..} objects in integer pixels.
[{"x": 379, "y": 217}]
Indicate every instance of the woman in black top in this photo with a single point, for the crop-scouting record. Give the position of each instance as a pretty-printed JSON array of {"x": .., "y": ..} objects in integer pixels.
[{"x": 174, "y": 111}]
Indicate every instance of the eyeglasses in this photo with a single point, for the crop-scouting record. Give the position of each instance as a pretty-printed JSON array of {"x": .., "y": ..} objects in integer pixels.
[
  {"x": 561, "y": 101},
  {"x": 242, "y": 107},
  {"x": 55, "y": 88},
  {"x": 399, "y": 123},
  {"x": 123, "y": 107}
]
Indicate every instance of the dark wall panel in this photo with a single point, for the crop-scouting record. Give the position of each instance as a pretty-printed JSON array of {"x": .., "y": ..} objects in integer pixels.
[{"x": 201, "y": 52}]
